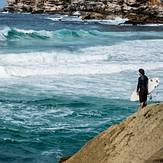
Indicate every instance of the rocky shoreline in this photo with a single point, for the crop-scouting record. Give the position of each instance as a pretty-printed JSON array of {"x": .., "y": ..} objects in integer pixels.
[
  {"x": 136, "y": 11},
  {"x": 138, "y": 139}
]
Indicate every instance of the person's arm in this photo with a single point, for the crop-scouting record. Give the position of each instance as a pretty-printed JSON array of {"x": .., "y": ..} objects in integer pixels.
[{"x": 138, "y": 85}]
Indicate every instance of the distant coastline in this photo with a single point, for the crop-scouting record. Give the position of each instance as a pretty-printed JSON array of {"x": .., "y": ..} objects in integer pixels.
[{"x": 137, "y": 12}]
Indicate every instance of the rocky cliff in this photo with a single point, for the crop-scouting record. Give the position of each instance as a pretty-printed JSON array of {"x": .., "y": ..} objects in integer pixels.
[
  {"x": 138, "y": 139},
  {"x": 35, "y": 6},
  {"x": 137, "y": 11}
]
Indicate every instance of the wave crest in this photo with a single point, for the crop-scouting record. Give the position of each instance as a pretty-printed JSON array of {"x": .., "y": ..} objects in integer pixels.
[{"x": 18, "y": 34}]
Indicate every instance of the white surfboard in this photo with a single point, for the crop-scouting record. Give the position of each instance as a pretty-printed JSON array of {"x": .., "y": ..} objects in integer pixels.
[{"x": 152, "y": 84}]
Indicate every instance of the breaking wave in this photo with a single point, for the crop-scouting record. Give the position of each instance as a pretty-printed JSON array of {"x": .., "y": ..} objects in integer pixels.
[
  {"x": 87, "y": 61},
  {"x": 69, "y": 35},
  {"x": 8, "y": 33}
]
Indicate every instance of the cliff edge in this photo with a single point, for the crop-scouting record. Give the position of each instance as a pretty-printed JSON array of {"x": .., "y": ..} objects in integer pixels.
[
  {"x": 136, "y": 11},
  {"x": 138, "y": 139}
]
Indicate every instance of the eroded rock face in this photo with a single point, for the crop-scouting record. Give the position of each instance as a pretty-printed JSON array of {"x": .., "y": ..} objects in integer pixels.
[
  {"x": 156, "y": 158},
  {"x": 93, "y": 15},
  {"x": 113, "y": 7},
  {"x": 130, "y": 2},
  {"x": 53, "y": 6},
  {"x": 154, "y": 2},
  {"x": 146, "y": 10},
  {"x": 35, "y": 6},
  {"x": 135, "y": 140}
]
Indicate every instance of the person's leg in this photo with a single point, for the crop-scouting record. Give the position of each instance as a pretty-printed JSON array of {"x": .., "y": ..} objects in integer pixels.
[
  {"x": 145, "y": 103},
  {"x": 143, "y": 99},
  {"x": 142, "y": 105}
]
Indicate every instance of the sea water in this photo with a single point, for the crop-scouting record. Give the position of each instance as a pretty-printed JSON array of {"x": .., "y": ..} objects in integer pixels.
[{"x": 63, "y": 81}]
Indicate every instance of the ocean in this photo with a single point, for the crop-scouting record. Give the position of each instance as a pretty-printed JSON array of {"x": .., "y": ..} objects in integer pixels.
[{"x": 63, "y": 81}]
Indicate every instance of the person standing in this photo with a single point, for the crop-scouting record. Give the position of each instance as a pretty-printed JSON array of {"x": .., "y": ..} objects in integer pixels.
[{"x": 142, "y": 88}]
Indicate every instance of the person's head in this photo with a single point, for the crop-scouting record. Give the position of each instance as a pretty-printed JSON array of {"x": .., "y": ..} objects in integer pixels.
[{"x": 141, "y": 72}]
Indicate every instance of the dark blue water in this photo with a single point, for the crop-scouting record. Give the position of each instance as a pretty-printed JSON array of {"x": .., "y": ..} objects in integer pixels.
[{"x": 63, "y": 82}]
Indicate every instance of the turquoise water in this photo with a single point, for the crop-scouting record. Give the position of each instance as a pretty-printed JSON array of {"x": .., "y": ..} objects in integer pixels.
[{"x": 63, "y": 82}]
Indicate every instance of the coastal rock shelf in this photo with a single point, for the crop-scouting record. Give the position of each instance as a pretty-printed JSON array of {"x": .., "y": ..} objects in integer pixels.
[
  {"x": 137, "y": 139},
  {"x": 137, "y": 11}
]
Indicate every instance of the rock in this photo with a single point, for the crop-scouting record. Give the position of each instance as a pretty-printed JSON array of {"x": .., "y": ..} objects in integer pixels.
[
  {"x": 92, "y": 6},
  {"x": 154, "y": 2},
  {"x": 112, "y": 8},
  {"x": 144, "y": 15},
  {"x": 137, "y": 139},
  {"x": 130, "y": 2},
  {"x": 143, "y": 10},
  {"x": 90, "y": 15},
  {"x": 77, "y": 1},
  {"x": 37, "y": 10},
  {"x": 54, "y": 8},
  {"x": 11, "y": 1},
  {"x": 156, "y": 10},
  {"x": 136, "y": 19},
  {"x": 64, "y": 159},
  {"x": 126, "y": 8},
  {"x": 156, "y": 158}
]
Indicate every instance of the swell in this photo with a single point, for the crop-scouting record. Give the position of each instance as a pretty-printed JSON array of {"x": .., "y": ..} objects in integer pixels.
[
  {"x": 8, "y": 33},
  {"x": 68, "y": 35}
]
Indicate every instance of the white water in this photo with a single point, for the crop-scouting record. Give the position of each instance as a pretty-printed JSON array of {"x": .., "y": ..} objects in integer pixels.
[
  {"x": 115, "y": 21},
  {"x": 127, "y": 56}
]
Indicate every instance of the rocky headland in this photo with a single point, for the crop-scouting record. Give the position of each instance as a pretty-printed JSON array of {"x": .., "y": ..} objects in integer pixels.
[
  {"x": 136, "y": 11},
  {"x": 138, "y": 139}
]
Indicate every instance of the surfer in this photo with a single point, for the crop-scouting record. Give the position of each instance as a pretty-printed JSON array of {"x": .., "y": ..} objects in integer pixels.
[{"x": 142, "y": 88}]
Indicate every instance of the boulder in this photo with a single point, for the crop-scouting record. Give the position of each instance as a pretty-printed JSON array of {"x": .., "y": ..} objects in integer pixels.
[
  {"x": 54, "y": 8},
  {"x": 156, "y": 158},
  {"x": 130, "y": 2},
  {"x": 112, "y": 7},
  {"x": 136, "y": 11},
  {"x": 137, "y": 139}
]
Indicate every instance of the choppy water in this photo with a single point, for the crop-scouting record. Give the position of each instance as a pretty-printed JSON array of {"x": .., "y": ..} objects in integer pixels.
[{"x": 62, "y": 82}]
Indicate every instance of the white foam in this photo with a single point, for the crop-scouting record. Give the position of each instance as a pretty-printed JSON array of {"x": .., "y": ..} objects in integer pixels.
[
  {"x": 115, "y": 21},
  {"x": 49, "y": 58},
  {"x": 150, "y": 25},
  {"x": 4, "y": 12},
  {"x": 2, "y": 37},
  {"x": 24, "y": 31},
  {"x": 3, "y": 72},
  {"x": 41, "y": 32},
  {"x": 77, "y": 13},
  {"x": 76, "y": 17},
  {"x": 4, "y": 32},
  {"x": 127, "y": 56},
  {"x": 55, "y": 18},
  {"x": 65, "y": 18},
  {"x": 62, "y": 112},
  {"x": 64, "y": 70}
]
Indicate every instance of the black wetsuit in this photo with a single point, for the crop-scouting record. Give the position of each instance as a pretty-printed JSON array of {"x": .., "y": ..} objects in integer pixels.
[{"x": 142, "y": 88}]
